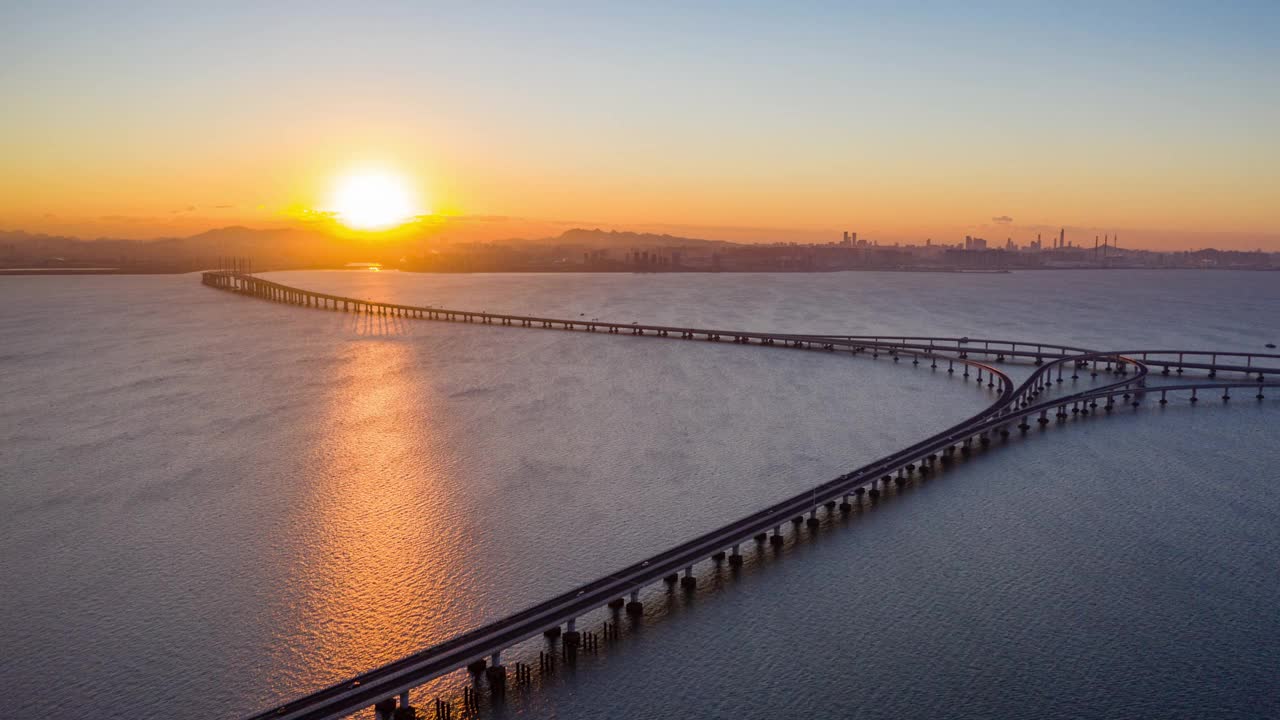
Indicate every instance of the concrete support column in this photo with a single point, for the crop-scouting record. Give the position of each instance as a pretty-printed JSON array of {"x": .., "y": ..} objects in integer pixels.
[
  {"x": 385, "y": 709},
  {"x": 735, "y": 557},
  {"x": 688, "y": 582},
  {"x": 496, "y": 673},
  {"x": 634, "y": 606},
  {"x": 571, "y": 634},
  {"x": 776, "y": 537}
]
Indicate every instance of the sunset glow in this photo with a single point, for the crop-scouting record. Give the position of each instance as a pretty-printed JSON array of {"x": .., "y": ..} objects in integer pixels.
[
  {"x": 903, "y": 126},
  {"x": 373, "y": 200}
]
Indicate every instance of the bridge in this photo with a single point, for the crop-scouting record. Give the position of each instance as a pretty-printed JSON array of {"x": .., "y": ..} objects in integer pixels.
[{"x": 1127, "y": 378}]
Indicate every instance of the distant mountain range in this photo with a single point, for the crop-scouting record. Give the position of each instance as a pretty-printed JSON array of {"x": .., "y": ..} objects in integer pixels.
[
  {"x": 614, "y": 240},
  {"x": 289, "y": 247}
]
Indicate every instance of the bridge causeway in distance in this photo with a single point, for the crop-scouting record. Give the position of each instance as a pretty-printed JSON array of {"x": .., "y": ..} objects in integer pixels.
[{"x": 1015, "y": 408}]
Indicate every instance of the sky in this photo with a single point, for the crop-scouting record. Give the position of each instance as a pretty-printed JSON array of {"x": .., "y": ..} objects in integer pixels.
[{"x": 745, "y": 121}]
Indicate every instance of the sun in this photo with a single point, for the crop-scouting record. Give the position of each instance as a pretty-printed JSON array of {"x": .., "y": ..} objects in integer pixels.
[{"x": 373, "y": 200}]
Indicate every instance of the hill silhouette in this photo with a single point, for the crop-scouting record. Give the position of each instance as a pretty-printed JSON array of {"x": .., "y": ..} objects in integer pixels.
[{"x": 291, "y": 247}]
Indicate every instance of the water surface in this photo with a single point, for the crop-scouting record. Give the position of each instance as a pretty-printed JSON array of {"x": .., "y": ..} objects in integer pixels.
[{"x": 213, "y": 503}]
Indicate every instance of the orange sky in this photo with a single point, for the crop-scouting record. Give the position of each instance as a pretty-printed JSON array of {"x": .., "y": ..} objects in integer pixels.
[{"x": 752, "y": 128}]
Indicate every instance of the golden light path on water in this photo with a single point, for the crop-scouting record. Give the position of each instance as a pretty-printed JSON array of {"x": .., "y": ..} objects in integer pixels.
[{"x": 387, "y": 542}]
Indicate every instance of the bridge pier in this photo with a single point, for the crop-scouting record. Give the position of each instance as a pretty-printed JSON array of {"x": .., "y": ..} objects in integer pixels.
[
  {"x": 571, "y": 636},
  {"x": 385, "y": 709},
  {"x": 634, "y": 606},
  {"x": 688, "y": 582},
  {"x": 776, "y": 538},
  {"x": 735, "y": 558},
  {"x": 496, "y": 673}
]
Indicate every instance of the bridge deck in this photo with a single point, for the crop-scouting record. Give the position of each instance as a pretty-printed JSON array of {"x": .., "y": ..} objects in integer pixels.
[{"x": 1013, "y": 405}]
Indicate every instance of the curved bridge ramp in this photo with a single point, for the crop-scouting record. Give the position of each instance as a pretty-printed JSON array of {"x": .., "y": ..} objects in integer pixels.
[{"x": 1125, "y": 380}]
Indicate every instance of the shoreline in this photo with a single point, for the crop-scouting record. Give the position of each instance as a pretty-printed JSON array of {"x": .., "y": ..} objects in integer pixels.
[{"x": 32, "y": 272}]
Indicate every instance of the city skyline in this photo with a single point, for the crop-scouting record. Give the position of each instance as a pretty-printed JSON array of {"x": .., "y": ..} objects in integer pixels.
[{"x": 1151, "y": 120}]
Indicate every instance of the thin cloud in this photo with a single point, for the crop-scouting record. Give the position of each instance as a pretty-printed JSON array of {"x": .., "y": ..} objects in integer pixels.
[{"x": 1002, "y": 220}]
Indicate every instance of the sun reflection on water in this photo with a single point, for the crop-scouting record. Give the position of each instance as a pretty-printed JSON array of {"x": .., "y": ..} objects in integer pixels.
[{"x": 384, "y": 568}]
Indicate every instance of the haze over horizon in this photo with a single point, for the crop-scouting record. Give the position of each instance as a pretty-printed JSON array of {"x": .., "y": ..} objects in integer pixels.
[{"x": 746, "y": 123}]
